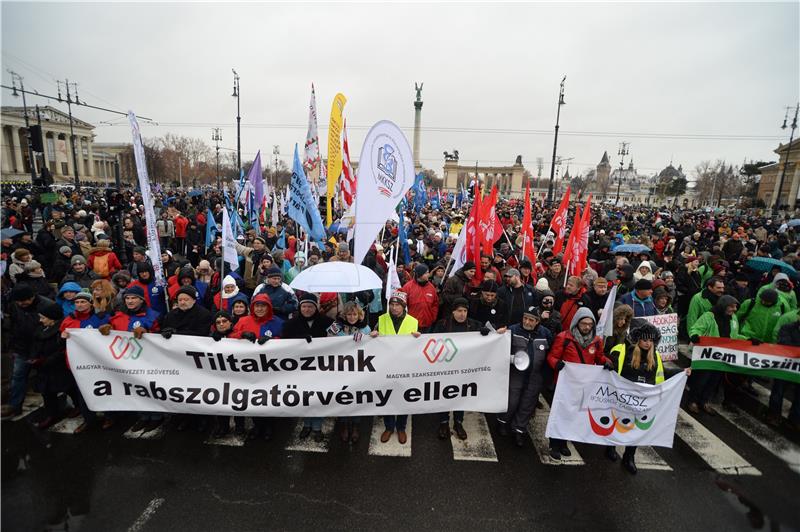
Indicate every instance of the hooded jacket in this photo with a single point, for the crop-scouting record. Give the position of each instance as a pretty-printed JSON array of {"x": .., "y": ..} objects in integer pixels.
[
  {"x": 67, "y": 305},
  {"x": 709, "y": 323},
  {"x": 701, "y": 303},
  {"x": 758, "y": 320},
  {"x": 423, "y": 302},
  {"x": 626, "y": 280},
  {"x": 269, "y": 325},
  {"x": 566, "y": 347},
  {"x": 283, "y": 301}
]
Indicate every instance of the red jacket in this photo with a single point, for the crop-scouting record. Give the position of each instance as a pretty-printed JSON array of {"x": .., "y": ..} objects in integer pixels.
[
  {"x": 423, "y": 302},
  {"x": 181, "y": 223},
  {"x": 566, "y": 348},
  {"x": 268, "y": 325},
  {"x": 111, "y": 262}
]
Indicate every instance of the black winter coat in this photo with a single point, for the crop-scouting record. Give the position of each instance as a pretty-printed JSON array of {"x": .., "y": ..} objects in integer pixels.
[
  {"x": 298, "y": 327},
  {"x": 24, "y": 323},
  {"x": 194, "y": 322},
  {"x": 53, "y": 375}
]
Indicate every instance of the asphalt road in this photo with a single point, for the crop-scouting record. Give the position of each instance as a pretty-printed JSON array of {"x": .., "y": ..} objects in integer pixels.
[{"x": 177, "y": 481}]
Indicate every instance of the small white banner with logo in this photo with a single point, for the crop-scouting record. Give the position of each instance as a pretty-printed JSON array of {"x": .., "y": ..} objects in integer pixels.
[
  {"x": 594, "y": 405},
  {"x": 667, "y": 325},
  {"x": 327, "y": 377}
]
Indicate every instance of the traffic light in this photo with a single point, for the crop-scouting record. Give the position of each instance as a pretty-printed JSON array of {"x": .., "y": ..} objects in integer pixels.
[{"x": 36, "y": 138}]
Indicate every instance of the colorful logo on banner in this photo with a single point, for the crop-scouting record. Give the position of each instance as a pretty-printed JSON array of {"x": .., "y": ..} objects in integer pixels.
[
  {"x": 125, "y": 349},
  {"x": 439, "y": 350},
  {"x": 387, "y": 166},
  {"x": 605, "y": 425}
]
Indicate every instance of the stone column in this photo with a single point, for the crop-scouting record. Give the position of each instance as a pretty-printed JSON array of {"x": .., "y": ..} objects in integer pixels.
[
  {"x": 5, "y": 159},
  {"x": 17, "y": 145},
  {"x": 70, "y": 160},
  {"x": 417, "y": 124},
  {"x": 90, "y": 149},
  {"x": 79, "y": 154}
]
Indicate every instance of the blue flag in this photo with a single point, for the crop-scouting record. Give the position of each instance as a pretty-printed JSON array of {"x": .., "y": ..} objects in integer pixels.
[
  {"x": 420, "y": 194},
  {"x": 211, "y": 229},
  {"x": 401, "y": 235},
  {"x": 302, "y": 208},
  {"x": 281, "y": 242}
]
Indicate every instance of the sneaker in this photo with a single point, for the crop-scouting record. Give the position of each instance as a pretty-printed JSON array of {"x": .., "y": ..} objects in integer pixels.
[
  {"x": 305, "y": 432},
  {"x": 139, "y": 425},
  {"x": 458, "y": 428},
  {"x": 502, "y": 427},
  {"x": 565, "y": 451},
  {"x": 554, "y": 454},
  {"x": 318, "y": 436},
  {"x": 444, "y": 431},
  {"x": 694, "y": 408}
]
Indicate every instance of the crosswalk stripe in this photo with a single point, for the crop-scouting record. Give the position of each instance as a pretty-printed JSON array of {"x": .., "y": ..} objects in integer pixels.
[
  {"x": 647, "y": 458},
  {"x": 308, "y": 444},
  {"x": 391, "y": 447},
  {"x": 784, "y": 449},
  {"x": 156, "y": 434},
  {"x": 536, "y": 429},
  {"x": 710, "y": 448},
  {"x": 762, "y": 396},
  {"x": 31, "y": 403},
  {"x": 479, "y": 445},
  {"x": 231, "y": 439},
  {"x": 67, "y": 425}
]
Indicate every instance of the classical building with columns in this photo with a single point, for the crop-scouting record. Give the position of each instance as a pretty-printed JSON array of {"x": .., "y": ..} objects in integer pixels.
[
  {"x": 507, "y": 178},
  {"x": 771, "y": 175},
  {"x": 95, "y": 162}
]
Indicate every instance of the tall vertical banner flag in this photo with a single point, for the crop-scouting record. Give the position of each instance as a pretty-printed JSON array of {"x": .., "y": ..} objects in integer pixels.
[
  {"x": 459, "y": 255},
  {"x": 473, "y": 233},
  {"x": 592, "y": 405},
  {"x": 559, "y": 223},
  {"x": 211, "y": 228},
  {"x": 153, "y": 245},
  {"x": 581, "y": 253},
  {"x": 348, "y": 176},
  {"x": 229, "y": 242},
  {"x": 311, "y": 149},
  {"x": 302, "y": 207},
  {"x": 385, "y": 173},
  {"x": 257, "y": 181},
  {"x": 275, "y": 209},
  {"x": 402, "y": 237},
  {"x": 528, "y": 249},
  {"x": 490, "y": 227},
  {"x": 334, "y": 151},
  {"x": 570, "y": 251}
]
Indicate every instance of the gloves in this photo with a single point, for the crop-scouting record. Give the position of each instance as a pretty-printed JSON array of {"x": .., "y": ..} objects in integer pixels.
[
  {"x": 484, "y": 331},
  {"x": 105, "y": 330},
  {"x": 560, "y": 365},
  {"x": 694, "y": 338},
  {"x": 755, "y": 341},
  {"x": 167, "y": 333},
  {"x": 263, "y": 339},
  {"x": 358, "y": 336},
  {"x": 138, "y": 332},
  {"x": 608, "y": 366},
  {"x": 247, "y": 335},
  {"x": 217, "y": 336},
  {"x": 308, "y": 338}
]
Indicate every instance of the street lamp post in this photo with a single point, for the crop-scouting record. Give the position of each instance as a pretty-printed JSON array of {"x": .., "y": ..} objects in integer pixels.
[
  {"x": 623, "y": 151},
  {"x": 70, "y": 101},
  {"x": 786, "y": 161},
  {"x": 236, "y": 94},
  {"x": 216, "y": 136},
  {"x": 14, "y": 78},
  {"x": 276, "y": 150},
  {"x": 555, "y": 143}
]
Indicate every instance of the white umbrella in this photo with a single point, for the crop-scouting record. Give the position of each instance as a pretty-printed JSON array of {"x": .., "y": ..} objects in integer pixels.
[{"x": 336, "y": 277}]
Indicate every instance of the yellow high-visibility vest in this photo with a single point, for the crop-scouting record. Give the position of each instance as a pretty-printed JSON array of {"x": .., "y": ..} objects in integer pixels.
[
  {"x": 386, "y": 326},
  {"x": 620, "y": 350}
]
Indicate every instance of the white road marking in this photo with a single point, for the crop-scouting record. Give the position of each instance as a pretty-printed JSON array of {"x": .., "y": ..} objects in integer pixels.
[
  {"x": 647, "y": 458},
  {"x": 391, "y": 447},
  {"x": 67, "y": 425},
  {"x": 156, "y": 434},
  {"x": 536, "y": 429},
  {"x": 784, "y": 449},
  {"x": 31, "y": 403},
  {"x": 231, "y": 439},
  {"x": 308, "y": 444},
  {"x": 762, "y": 396},
  {"x": 710, "y": 448},
  {"x": 479, "y": 445},
  {"x": 146, "y": 515}
]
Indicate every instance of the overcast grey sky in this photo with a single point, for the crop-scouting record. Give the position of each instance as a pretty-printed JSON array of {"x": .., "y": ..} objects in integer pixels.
[{"x": 717, "y": 69}]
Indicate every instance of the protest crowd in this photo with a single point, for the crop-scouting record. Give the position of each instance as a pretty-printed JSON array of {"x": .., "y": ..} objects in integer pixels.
[{"x": 82, "y": 261}]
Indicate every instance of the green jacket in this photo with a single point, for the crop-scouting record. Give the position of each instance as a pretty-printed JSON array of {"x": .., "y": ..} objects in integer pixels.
[
  {"x": 789, "y": 317},
  {"x": 758, "y": 321},
  {"x": 697, "y": 307},
  {"x": 790, "y": 298},
  {"x": 707, "y": 326}
]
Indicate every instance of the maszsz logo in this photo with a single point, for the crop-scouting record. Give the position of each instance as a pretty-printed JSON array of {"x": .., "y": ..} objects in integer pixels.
[
  {"x": 439, "y": 350},
  {"x": 604, "y": 425},
  {"x": 387, "y": 164},
  {"x": 125, "y": 348}
]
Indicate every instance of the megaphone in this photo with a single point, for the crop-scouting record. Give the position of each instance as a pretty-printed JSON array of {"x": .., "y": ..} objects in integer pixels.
[{"x": 521, "y": 360}]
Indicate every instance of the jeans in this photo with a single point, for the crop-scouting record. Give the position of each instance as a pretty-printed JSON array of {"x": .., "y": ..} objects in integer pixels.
[
  {"x": 776, "y": 400},
  {"x": 19, "y": 380},
  {"x": 314, "y": 422},
  {"x": 704, "y": 386},
  {"x": 395, "y": 422},
  {"x": 557, "y": 444},
  {"x": 458, "y": 417}
]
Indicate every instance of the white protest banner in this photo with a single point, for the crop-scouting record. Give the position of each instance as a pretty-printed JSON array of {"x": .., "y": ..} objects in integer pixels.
[
  {"x": 385, "y": 173},
  {"x": 594, "y": 405},
  {"x": 328, "y": 377},
  {"x": 667, "y": 325},
  {"x": 153, "y": 244},
  {"x": 741, "y": 356}
]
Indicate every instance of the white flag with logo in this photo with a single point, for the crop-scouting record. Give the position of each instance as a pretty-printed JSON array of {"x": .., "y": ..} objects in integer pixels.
[
  {"x": 385, "y": 173},
  {"x": 605, "y": 325},
  {"x": 459, "y": 251},
  {"x": 594, "y": 405},
  {"x": 228, "y": 242}
]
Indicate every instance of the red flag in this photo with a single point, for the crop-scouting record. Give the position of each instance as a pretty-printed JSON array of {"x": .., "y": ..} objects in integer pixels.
[
  {"x": 559, "y": 223},
  {"x": 473, "y": 238},
  {"x": 528, "y": 246},
  {"x": 582, "y": 241},
  {"x": 490, "y": 227},
  {"x": 570, "y": 251},
  {"x": 348, "y": 176}
]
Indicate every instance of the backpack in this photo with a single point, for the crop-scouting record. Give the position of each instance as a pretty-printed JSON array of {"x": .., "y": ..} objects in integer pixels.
[{"x": 100, "y": 265}]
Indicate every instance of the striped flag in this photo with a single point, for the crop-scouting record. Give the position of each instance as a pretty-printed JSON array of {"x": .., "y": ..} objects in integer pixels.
[{"x": 348, "y": 176}]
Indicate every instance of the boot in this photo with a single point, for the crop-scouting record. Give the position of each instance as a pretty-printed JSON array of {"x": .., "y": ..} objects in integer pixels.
[
  {"x": 354, "y": 435},
  {"x": 458, "y": 428},
  {"x": 502, "y": 427},
  {"x": 629, "y": 464},
  {"x": 519, "y": 439},
  {"x": 611, "y": 454}
]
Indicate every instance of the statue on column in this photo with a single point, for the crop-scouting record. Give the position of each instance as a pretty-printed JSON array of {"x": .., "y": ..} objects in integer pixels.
[{"x": 418, "y": 88}]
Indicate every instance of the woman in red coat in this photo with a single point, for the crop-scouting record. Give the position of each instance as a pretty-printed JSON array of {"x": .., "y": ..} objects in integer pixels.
[{"x": 579, "y": 344}]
